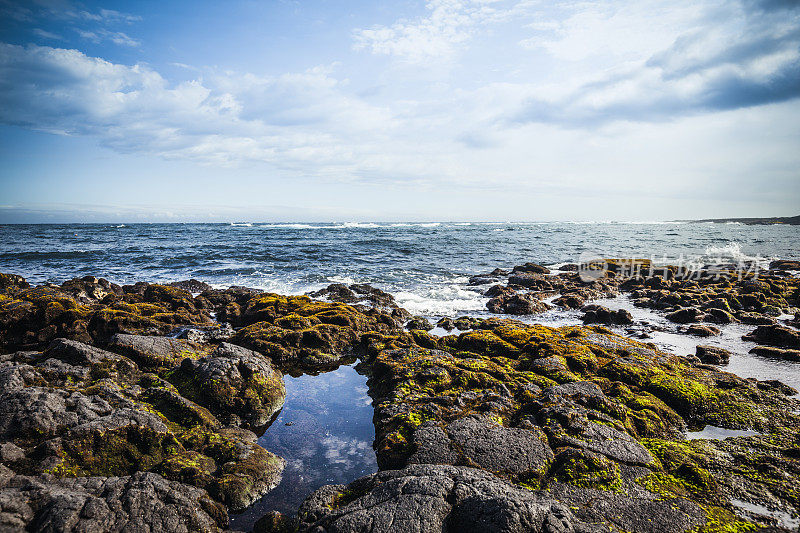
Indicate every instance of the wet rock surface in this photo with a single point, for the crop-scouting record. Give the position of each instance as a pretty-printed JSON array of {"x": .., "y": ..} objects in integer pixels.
[{"x": 106, "y": 423}]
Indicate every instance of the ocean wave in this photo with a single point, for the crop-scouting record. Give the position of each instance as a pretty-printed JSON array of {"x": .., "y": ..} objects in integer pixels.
[
  {"x": 732, "y": 252},
  {"x": 448, "y": 300},
  {"x": 244, "y": 224}
]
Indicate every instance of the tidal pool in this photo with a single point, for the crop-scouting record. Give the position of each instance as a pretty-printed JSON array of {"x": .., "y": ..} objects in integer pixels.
[{"x": 325, "y": 434}]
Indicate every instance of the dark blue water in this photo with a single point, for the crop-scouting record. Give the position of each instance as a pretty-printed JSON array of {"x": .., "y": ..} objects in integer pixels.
[{"x": 424, "y": 265}]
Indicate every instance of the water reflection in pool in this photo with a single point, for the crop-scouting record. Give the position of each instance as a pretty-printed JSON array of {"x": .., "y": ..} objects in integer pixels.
[{"x": 324, "y": 433}]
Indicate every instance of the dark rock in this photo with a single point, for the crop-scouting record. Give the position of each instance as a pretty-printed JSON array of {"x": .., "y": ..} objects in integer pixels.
[
  {"x": 713, "y": 355},
  {"x": 718, "y": 316},
  {"x": 685, "y": 315},
  {"x": 784, "y": 264},
  {"x": 597, "y": 314},
  {"x": 12, "y": 283},
  {"x": 233, "y": 380},
  {"x": 701, "y": 330},
  {"x": 529, "y": 280},
  {"x": 775, "y": 335},
  {"x": 192, "y": 285},
  {"x": 755, "y": 319},
  {"x": 419, "y": 322},
  {"x": 90, "y": 289},
  {"x": 426, "y": 498},
  {"x": 517, "y": 304},
  {"x": 498, "y": 290},
  {"x": 570, "y": 301},
  {"x": 465, "y": 323},
  {"x": 43, "y": 412},
  {"x": 531, "y": 267},
  {"x": 446, "y": 324},
  {"x": 361, "y": 293},
  {"x": 77, "y": 353},
  {"x": 482, "y": 280},
  {"x": 141, "y": 502},
  {"x": 777, "y": 353},
  {"x": 481, "y": 442},
  {"x": 204, "y": 334},
  {"x": 151, "y": 352}
]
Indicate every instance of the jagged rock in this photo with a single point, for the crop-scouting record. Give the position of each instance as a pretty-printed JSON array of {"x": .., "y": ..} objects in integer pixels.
[
  {"x": 517, "y": 304},
  {"x": 531, "y": 267},
  {"x": 481, "y": 442},
  {"x": 784, "y": 264},
  {"x": 152, "y": 352},
  {"x": 498, "y": 290},
  {"x": 685, "y": 315},
  {"x": 530, "y": 280},
  {"x": 233, "y": 380},
  {"x": 43, "y": 412},
  {"x": 597, "y": 314},
  {"x": 77, "y": 353},
  {"x": 701, "y": 330},
  {"x": 206, "y": 334},
  {"x": 446, "y": 324},
  {"x": 777, "y": 353},
  {"x": 570, "y": 301},
  {"x": 360, "y": 293},
  {"x": 191, "y": 285},
  {"x": 775, "y": 335},
  {"x": 90, "y": 289},
  {"x": 141, "y": 502},
  {"x": 422, "y": 498},
  {"x": 713, "y": 355},
  {"x": 419, "y": 322}
]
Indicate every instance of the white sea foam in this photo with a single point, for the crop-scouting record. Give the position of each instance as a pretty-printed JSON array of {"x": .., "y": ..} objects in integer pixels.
[
  {"x": 245, "y": 224},
  {"x": 732, "y": 252},
  {"x": 441, "y": 300}
]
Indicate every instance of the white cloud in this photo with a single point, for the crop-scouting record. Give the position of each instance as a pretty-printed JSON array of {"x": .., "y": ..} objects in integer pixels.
[
  {"x": 116, "y": 37},
  {"x": 719, "y": 57},
  {"x": 46, "y": 34},
  {"x": 223, "y": 118},
  {"x": 437, "y": 36}
]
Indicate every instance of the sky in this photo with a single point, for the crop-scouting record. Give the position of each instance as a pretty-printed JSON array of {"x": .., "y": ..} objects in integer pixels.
[{"x": 316, "y": 110}]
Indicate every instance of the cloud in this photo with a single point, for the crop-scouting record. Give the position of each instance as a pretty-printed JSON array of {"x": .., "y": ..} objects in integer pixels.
[
  {"x": 107, "y": 16},
  {"x": 437, "y": 36},
  {"x": 46, "y": 34},
  {"x": 221, "y": 118},
  {"x": 746, "y": 55},
  {"x": 116, "y": 37}
]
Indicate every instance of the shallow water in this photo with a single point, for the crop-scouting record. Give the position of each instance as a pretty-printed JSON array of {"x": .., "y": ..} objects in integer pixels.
[
  {"x": 324, "y": 433},
  {"x": 717, "y": 433},
  {"x": 784, "y": 519}
]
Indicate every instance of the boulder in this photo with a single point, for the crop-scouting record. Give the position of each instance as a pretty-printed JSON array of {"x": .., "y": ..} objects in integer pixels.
[
  {"x": 597, "y": 314},
  {"x": 775, "y": 335},
  {"x": 685, "y": 315},
  {"x": 233, "y": 380},
  {"x": 531, "y": 267},
  {"x": 141, "y": 502},
  {"x": 191, "y": 285},
  {"x": 419, "y": 322},
  {"x": 777, "y": 353},
  {"x": 784, "y": 264},
  {"x": 151, "y": 352},
  {"x": 701, "y": 330},
  {"x": 713, "y": 355},
  {"x": 517, "y": 304}
]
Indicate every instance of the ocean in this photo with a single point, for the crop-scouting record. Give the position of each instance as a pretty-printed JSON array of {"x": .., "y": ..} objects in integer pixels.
[{"x": 426, "y": 266}]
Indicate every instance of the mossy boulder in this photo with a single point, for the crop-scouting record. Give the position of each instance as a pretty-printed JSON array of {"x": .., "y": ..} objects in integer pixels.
[{"x": 233, "y": 381}]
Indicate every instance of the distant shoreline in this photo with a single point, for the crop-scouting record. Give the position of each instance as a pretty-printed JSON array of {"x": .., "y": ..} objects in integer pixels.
[{"x": 791, "y": 221}]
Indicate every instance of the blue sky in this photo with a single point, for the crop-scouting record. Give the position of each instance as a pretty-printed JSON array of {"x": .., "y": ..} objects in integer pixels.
[{"x": 410, "y": 110}]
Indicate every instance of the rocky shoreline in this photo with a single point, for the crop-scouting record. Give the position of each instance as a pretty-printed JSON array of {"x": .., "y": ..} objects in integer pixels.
[{"x": 128, "y": 408}]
